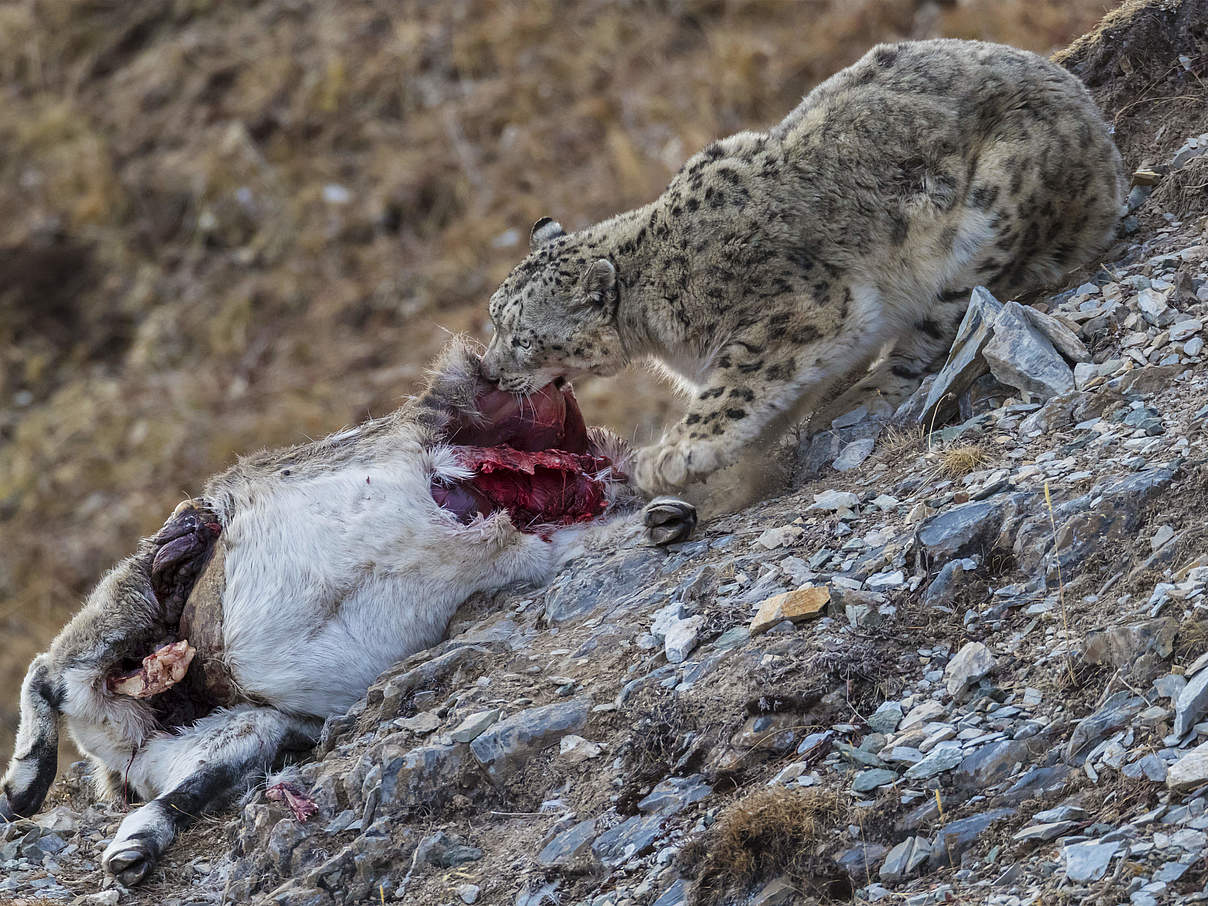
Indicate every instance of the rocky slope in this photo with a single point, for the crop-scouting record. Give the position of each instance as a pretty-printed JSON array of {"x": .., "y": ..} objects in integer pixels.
[
  {"x": 226, "y": 226},
  {"x": 963, "y": 661}
]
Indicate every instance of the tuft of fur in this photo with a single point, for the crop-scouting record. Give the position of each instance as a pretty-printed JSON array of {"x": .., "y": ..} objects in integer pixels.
[{"x": 827, "y": 262}]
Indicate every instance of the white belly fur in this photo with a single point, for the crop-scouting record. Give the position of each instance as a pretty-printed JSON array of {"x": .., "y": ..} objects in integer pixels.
[{"x": 332, "y": 578}]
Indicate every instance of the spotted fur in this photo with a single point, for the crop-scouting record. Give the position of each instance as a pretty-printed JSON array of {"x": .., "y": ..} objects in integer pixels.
[{"x": 826, "y": 262}]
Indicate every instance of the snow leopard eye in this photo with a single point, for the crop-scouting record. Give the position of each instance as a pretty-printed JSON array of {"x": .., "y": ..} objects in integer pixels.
[{"x": 522, "y": 344}]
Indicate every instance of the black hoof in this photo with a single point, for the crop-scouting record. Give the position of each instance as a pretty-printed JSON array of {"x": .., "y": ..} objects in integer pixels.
[
  {"x": 668, "y": 520},
  {"x": 130, "y": 862}
]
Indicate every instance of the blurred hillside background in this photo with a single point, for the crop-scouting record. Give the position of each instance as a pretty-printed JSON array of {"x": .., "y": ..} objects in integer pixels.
[{"x": 229, "y": 225}]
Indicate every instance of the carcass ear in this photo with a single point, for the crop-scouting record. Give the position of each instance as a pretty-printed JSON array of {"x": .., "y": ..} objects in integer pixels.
[
  {"x": 599, "y": 281},
  {"x": 544, "y": 230}
]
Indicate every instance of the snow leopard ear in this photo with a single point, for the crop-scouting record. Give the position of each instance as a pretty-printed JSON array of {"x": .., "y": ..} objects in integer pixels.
[
  {"x": 544, "y": 230},
  {"x": 599, "y": 282}
]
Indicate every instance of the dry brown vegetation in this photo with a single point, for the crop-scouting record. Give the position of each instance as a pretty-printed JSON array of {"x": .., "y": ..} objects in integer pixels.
[
  {"x": 959, "y": 460},
  {"x": 770, "y": 832},
  {"x": 231, "y": 225}
]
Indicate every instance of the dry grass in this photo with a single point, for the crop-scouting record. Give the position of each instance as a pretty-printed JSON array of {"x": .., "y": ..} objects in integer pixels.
[
  {"x": 958, "y": 461},
  {"x": 1191, "y": 640},
  {"x": 770, "y": 832},
  {"x": 662, "y": 727},
  {"x": 228, "y": 226},
  {"x": 1184, "y": 192},
  {"x": 899, "y": 441}
]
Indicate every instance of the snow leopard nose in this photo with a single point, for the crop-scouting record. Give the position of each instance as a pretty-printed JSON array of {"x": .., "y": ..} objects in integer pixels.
[{"x": 489, "y": 369}]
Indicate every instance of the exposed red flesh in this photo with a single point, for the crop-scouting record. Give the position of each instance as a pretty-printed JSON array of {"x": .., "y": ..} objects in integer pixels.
[
  {"x": 546, "y": 419},
  {"x": 550, "y": 487},
  {"x": 299, "y": 803},
  {"x": 531, "y": 457},
  {"x": 162, "y": 669}
]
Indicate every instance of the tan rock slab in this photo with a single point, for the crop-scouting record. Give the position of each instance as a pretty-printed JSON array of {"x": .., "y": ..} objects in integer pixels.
[
  {"x": 1189, "y": 771},
  {"x": 806, "y": 603}
]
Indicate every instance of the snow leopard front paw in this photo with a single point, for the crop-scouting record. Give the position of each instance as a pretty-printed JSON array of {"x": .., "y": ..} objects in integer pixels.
[
  {"x": 668, "y": 467},
  {"x": 660, "y": 469}
]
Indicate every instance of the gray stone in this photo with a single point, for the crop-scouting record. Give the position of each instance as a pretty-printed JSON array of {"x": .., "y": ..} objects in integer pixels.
[
  {"x": 858, "y": 861},
  {"x": 945, "y": 586},
  {"x": 474, "y": 725},
  {"x": 903, "y": 755},
  {"x": 1151, "y": 767},
  {"x": 1111, "y": 511},
  {"x": 779, "y": 536},
  {"x": 424, "y": 775},
  {"x": 816, "y": 452},
  {"x": 850, "y": 418},
  {"x": 858, "y": 756},
  {"x": 833, "y": 500},
  {"x": 420, "y": 724},
  {"x": 886, "y": 718},
  {"x": 1113, "y": 714},
  {"x": 973, "y": 662},
  {"x": 468, "y": 892},
  {"x": 346, "y": 820},
  {"x": 1021, "y": 356},
  {"x": 911, "y": 409},
  {"x": 568, "y": 847},
  {"x": 542, "y": 895},
  {"x": 1039, "y": 782},
  {"x": 513, "y": 740},
  {"x": 732, "y": 637},
  {"x": 777, "y": 892},
  {"x": 1185, "y": 330},
  {"x": 965, "y": 363},
  {"x": 445, "y": 851},
  {"x": 905, "y": 859},
  {"x": 960, "y": 530},
  {"x": 922, "y": 713},
  {"x": 1061, "y": 813},
  {"x": 674, "y": 795},
  {"x": 880, "y": 582},
  {"x": 282, "y": 841},
  {"x": 578, "y": 592},
  {"x": 854, "y": 454},
  {"x": 957, "y": 836},
  {"x": 681, "y": 639},
  {"x": 1194, "y": 147},
  {"x": 1154, "y": 308},
  {"x": 992, "y": 762},
  {"x": 675, "y": 895},
  {"x": 1171, "y": 872},
  {"x": 1084, "y": 373},
  {"x": 1088, "y": 861},
  {"x": 1042, "y": 833},
  {"x": 395, "y": 689},
  {"x": 632, "y": 837},
  {"x": 664, "y": 618},
  {"x": 1064, "y": 340},
  {"x": 60, "y": 820},
  {"x": 1190, "y": 771},
  {"x": 867, "y": 781},
  {"x": 1192, "y": 703},
  {"x": 943, "y": 757},
  {"x": 816, "y": 742}
]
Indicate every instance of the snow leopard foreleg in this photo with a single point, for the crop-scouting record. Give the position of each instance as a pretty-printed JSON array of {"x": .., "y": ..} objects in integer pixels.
[{"x": 760, "y": 383}]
